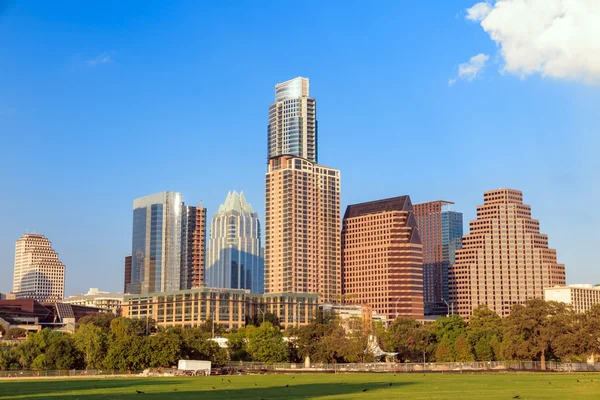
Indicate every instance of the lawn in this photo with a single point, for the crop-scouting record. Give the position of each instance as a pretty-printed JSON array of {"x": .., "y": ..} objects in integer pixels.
[{"x": 316, "y": 386}]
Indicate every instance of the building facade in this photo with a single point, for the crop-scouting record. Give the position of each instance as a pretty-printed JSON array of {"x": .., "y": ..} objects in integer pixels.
[
  {"x": 302, "y": 206},
  {"x": 504, "y": 260},
  {"x": 292, "y": 121},
  {"x": 193, "y": 227},
  {"x": 229, "y": 308},
  {"x": 382, "y": 260},
  {"x": 156, "y": 243},
  {"x": 235, "y": 256},
  {"x": 302, "y": 237},
  {"x": 38, "y": 273},
  {"x": 580, "y": 297},
  {"x": 128, "y": 261},
  {"x": 106, "y": 301},
  {"x": 441, "y": 233}
]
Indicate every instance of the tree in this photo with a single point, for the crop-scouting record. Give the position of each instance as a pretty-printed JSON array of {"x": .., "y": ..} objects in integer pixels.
[
  {"x": 258, "y": 319},
  {"x": 238, "y": 344},
  {"x": 62, "y": 354},
  {"x": 127, "y": 354},
  {"x": 91, "y": 340},
  {"x": 484, "y": 326},
  {"x": 406, "y": 337},
  {"x": 265, "y": 344},
  {"x": 443, "y": 353},
  {"x": 197, "y": 345},
  {"x": 35, "y": 345},
  {"x": 164, "y": 348},
  {"x": 449, "y": 327},
  {"x": 15, "y": 333},
  {"x": 9, "y": 358},
  {"x": 462, "y": 350},
  {"x": 121, "y": 327},
  {"x": 101, "y": 320}
]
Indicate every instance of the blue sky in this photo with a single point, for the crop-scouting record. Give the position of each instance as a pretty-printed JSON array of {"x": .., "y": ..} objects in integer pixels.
[{"x": 106, "y": 102}]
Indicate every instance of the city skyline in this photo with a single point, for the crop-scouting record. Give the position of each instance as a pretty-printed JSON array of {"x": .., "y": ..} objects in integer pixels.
[{"x": 90, "y": 95}]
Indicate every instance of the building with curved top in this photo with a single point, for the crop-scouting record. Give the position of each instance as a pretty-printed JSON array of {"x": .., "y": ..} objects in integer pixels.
[{"x": 235, "y": 256}]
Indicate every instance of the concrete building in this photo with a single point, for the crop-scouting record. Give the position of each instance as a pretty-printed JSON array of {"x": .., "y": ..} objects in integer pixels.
[
  {"x": 292, "y": 121},
  {"x": 106, "y": 301},
  {"x": 156, "y": 243},
  {"x": 302, "y": 207},
  {"x": 193, "y": 227},
  {"x": 38, "y": 273},
  {"x": 441, "y": 231},
  {"x": 127, "y": 280},
  {"x": 235, "y": 256},
  {"x": 580, "y": 297},
  {"x": 505, "y": 260},
  {"x": 382, "y": 260},
  {"x": 228, "y": 308}
]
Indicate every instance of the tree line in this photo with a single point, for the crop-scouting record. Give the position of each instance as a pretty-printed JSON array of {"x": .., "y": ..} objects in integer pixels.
[{"x": 537, "y": 331}]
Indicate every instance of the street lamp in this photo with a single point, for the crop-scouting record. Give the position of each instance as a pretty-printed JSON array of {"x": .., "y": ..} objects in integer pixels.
[
  {"x": 447, "y": 305},
  {"x": 396, "y": 306},
  {"x": 263, "y": 314}
]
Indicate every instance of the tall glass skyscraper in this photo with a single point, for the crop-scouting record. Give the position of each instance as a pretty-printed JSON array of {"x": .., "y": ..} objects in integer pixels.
[
  {"x": 156, "y": 243},
  {"x": 292, "y": 121},
  {"x": 235, "y": 256}
]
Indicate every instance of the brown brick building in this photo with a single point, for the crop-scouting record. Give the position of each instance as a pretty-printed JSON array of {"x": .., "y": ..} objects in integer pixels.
[
  {"x": 505, "y": 259},
  {"x": 382, "y": 262}
]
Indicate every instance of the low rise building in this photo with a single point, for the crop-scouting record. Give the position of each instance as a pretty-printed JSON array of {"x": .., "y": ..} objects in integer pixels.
[
  {"x": 229, "y": 308},
  {"x": 109, "y": 302},
  {"x": 580, "y": 297}
]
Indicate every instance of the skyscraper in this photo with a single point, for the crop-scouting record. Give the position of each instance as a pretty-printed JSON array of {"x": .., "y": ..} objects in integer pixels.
[
  {"x": 156, "y": 243},
  {"x": 441, "y": 234},
  {"x": 128, "y": 261},
  {"x": 38, "y": 272},
  {"x": 504, "y": 260},
  {"x": 382, "y": 261},
  {"x": 302, "y": 207},
  {"x": 235, "y": 258},
  {"x": 193, "y": 226},
  {"x": 292, "y": 121}
]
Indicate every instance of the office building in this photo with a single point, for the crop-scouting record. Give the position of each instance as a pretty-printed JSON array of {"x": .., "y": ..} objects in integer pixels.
[
  {"x": 302, "y": 207},
  {"x": 128, "y": 261},
  {"x": 382, "y": 260},
  {"x": 229, "y": 308},
  {"x": 38, "y": 272},
  {"x": 235, "y": 259},
  {"x": 292, "y": 127},
  {"x": 580, "y": 297},
  {"x": 504, "y": 260},
  {"x": 156, "y": 243},
  {"x": 193, "y": 227},
  {"x": 106, "y": 301},
  {"x": 441, "y": 233}
]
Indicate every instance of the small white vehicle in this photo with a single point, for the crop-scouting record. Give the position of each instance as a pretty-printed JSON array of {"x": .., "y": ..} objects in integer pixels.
[{"x": 194, "y": 367}]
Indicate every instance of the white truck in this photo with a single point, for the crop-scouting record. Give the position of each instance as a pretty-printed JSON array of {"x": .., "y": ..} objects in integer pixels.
[{"x": 194, "y": 367}]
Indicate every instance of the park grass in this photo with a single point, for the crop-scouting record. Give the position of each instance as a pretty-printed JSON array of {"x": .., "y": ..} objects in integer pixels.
[{"x": 487, "y": 386}]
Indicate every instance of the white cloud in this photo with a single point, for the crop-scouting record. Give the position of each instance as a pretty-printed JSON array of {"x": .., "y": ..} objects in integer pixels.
[
  {"x": 478, "y": 12},
  {"x": 471, "y": 69},
  {"x": 101, "y": 59},
  {"x": 553, "y": 38}
]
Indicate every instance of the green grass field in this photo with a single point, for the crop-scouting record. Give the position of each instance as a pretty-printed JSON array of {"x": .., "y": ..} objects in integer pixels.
[{"x": 315, "y": 386}]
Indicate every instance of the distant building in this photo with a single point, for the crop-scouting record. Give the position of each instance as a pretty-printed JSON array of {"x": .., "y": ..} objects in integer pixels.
[
  {"x": 106, "y": 301},
  {"x": 382, "y": 260},
  {"x": 229, "y": 308},
  {"x": 302, "y": 202},
  {"x": 156, "y": 243},
  {"x": 193, "y": 226},
  {"x": 38, "y": 273},
  {"x": 441, "y": 231},
  {"x": 235, "y": 256},
  {"x": 504, "y": 260},
  {"x": 580, "y": 297},
  {"x": 128, "y": 260},
  {"x": 7, "y": 296}
]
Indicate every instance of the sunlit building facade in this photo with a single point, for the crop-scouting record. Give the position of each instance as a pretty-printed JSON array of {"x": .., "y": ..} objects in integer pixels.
[{"x": 504, "y": 260}]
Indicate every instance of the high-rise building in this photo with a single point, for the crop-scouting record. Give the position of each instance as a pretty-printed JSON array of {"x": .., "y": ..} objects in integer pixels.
[
  {"x": 302, "y": 208},
  {"x": 38, "y": 272},
  {"x": 292, "y": 121},
  {"x": 382, "y": 260},
  {"x": 128, "y": 260},
  {"x": 235, "y": 259},
  {"x": 156, "y": 243},
  {"x": 199, "y": 248},
  {"x": 504, "y": 260},
  {"x": 193, "y": 226},
  {"x": 441, "y": 235}
]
